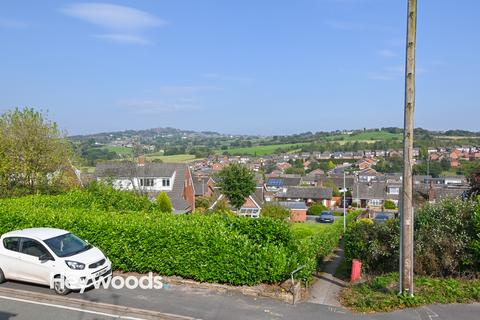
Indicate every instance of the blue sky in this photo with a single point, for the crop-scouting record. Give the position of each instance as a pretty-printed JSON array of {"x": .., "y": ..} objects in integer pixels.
[{"x": 243, "y": 67}]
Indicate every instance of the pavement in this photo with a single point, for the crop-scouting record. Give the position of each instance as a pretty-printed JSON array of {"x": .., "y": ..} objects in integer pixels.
[
  {"x": 24, "y": 301},
  {"x": 327, "y": 287}
]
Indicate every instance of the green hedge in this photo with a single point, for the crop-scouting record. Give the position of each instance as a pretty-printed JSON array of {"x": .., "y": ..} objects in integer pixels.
[
  {"x": 205, "y": 248},
  {"x": 138, "y": 238}
]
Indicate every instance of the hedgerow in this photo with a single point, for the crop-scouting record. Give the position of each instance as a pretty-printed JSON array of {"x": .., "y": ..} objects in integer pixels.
[
  {"x": 445, "y": 240},
  {"x": 137, "y": 237}
]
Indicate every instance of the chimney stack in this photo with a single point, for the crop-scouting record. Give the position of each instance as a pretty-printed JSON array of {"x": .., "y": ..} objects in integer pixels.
[{"x": 141, "y": 161}]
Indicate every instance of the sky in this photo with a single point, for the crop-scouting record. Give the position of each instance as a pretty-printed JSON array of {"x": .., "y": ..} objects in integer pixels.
[{"x": 239, "y": 67}]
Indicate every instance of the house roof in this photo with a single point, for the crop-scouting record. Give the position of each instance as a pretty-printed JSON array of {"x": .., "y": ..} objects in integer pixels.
[
  {"x": 374, "y": 190},
  {"x": 127, "y": 169},
  {"x": 200, "y": 184},
  {"x": 283, "y": 181},
  {"x": 295, "y": 205},
  {"x": 306, "y": 193}
]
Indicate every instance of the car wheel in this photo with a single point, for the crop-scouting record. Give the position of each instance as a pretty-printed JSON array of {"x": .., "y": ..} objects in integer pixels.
[
  {"x": 2, "y": 276},
  {"x": 61, "y": 286}
]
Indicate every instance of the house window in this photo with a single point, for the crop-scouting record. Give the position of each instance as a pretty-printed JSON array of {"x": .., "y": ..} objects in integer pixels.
[
  {"x": 250, "y": 212},
  {"x": 146, "y": 182},
  {"x": 393, "y": 190},
  {"x": 376, "y": 202},
  {"x": 165, "y": 182}
]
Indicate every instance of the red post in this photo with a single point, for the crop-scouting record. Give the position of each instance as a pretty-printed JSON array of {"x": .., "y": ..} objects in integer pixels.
[{"x": 356, "y": 270}]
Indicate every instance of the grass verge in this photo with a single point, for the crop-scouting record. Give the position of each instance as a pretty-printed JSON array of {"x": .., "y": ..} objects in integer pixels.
[{"x": 380, "y": 294}]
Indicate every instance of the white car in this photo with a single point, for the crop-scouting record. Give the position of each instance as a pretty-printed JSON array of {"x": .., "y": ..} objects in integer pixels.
[{"x": 52, "y": 257}]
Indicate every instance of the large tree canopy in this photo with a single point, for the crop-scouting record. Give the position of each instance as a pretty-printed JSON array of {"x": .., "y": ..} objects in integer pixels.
[
  {"x": 236, "y": 182},
  {"x": 33, "y": 151}
]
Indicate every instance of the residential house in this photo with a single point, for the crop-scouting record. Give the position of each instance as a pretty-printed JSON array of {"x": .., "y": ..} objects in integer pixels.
[
  {"x": 368, "y": 174},
  {"x": 203, "y": 186},
  {"x": 308, "y": 195},
  {"x": 273, "y": 184},
  {"x": 152, "y": 178},
  {"x": 373, "y": 194},
  {"x": 252, "y": 206}
]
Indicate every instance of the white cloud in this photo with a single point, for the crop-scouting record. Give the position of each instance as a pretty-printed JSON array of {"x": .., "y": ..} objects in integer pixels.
[
  {"x": 123, "y": 38},
  {"x": 122, "y": 24}
]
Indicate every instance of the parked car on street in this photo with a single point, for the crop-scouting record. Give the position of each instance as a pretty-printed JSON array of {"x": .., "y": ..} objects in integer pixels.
[
  {"x": 381, "y": 217},
  {"x": 326, "y": 217},
  {"x": 52, "y": 257}
]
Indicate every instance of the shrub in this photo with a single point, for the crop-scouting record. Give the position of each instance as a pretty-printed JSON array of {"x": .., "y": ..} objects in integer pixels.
[
  {"x": 316, "y": 209},
  {"x": 164, "y": 203},
  {"x": 376, "y": 245},
  {"x": 389, "y": 205},
  {"x": 436, "y": 254},
  {"x": 275, "y": 211}
]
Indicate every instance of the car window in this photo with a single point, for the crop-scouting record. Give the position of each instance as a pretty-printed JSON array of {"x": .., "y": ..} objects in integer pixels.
[
  {"x": 12, "y": 243},
  {"x": 33, "y": 248},
  {"x": 67, "y": 245}
]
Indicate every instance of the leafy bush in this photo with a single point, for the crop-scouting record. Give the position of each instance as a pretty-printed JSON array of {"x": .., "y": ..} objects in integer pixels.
[
  {"x": 164, "y": 203},
  {"x": 274, "y": 210},
  {"x": 316, "y": 209},
  {"x": 436, "y": 254},
  {"x": 389, "y": 205},
  {"x": 375, "y": 244}
]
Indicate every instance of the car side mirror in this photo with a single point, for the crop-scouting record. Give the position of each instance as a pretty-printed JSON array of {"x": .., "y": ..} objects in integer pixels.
[{"x": 45, "y": 257}]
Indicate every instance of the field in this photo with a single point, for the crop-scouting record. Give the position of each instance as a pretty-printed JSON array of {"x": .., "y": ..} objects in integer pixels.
[
  {"x": 178, "y": 158},
  {"x": 260, "y": 150},
  {"x": 119, "y": 150},
  {"x": 369, "y": 136}
]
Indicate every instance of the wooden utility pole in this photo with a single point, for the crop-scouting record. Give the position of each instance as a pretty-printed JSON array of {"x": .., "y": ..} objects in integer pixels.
[{"x": 406, "y": 246}]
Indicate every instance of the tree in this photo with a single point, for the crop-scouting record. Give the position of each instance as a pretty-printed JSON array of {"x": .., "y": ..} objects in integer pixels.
[
  {"x": 316, "y": 209},
  {"x": 275, "y": 211},
  {"x": 164, "y": 203},
  {"x": 236, "y": 182},
  {"x": 331, "y": 165},
  {"x": 34, "y": 153}
]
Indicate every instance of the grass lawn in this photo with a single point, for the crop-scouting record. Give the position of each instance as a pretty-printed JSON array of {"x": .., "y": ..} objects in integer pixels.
[
  {"x": 307, "y": 229},
  {"x": 381, "y": 293},
  {"x": 178, "y": 158},
  {"x": 259, "y": 150},
  {"x": 119, "y": 150}
]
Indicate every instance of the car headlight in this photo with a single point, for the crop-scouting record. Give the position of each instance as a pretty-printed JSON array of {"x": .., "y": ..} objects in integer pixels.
[{"x": 75, "y": 265}]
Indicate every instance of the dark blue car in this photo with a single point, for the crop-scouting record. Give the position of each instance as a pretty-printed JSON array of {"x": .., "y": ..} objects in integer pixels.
[
  {"x": 381, "y": 217},
  {"x": 326, "y": 217}
]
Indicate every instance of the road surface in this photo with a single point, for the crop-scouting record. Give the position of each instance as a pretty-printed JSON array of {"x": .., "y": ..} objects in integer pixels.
[{"x": 23, "y": 301}]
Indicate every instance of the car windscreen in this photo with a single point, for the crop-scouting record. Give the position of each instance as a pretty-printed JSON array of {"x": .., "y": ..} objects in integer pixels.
[{"x": 67, "y": 245}]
